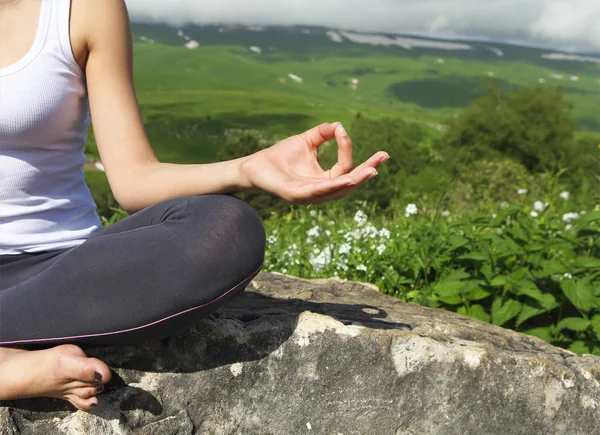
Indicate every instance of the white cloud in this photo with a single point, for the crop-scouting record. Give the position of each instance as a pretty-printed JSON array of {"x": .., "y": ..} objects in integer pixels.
[{"x": 572, "y": 24}]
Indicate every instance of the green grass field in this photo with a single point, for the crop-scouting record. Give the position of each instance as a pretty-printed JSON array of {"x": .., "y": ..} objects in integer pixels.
[{"x": 191, "y": 98}]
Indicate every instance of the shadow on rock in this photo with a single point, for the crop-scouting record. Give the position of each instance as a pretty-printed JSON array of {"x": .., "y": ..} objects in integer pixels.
[{"x": 249, "y": 328}]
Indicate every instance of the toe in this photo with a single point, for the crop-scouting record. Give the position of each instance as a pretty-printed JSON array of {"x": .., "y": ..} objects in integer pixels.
[
  {"x": 101, "y": 370},
  {"x": 89, "y": 370},
  {"x": 87, "y": 392},
  {"x": 80, "y": 403}
]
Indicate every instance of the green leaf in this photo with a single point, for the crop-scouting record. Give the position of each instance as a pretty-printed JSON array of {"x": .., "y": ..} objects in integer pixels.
[
  {"x": 519, "y": 234},
  {"x": 456, "y": 242},
  {"x": 486, "y": 271},
  {"x": 528, "y": 312},
  {"x": 544, "y": 333},
  {"x": 449, "y": 292},
  {"x": 579, "y": 347},
  {"x": 529, "y": 288},
  {"x": 456, "y": 275},
  {"x": 502, "y": 313},
  {"x": 477, "y": 256},
  {"x": 478, "y": 294},
  {"x": 573, "y": 324},
  {"x": 534, "y": 247},
  {"x": 578, "y": 293},
  {"x": 588, "y": 263},
  {"x": 549, "y": 302},
  {"x": 500, "y": 281},
  {"x": 588, "y": 231},
  {"x": 596, "y": 320},
  {"x": 589, "y": 217},
  {"x": 478, "y": 312},
  {"x": 552, "y": 267}
]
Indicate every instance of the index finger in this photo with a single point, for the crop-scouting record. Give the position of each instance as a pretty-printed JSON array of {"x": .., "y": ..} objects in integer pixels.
[{"x": 320, "y": 134}]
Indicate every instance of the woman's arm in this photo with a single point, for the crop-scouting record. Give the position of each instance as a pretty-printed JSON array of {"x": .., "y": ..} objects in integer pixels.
[
  {"x": 135, "y": 175},
  {"x": 288, "y": 169}
]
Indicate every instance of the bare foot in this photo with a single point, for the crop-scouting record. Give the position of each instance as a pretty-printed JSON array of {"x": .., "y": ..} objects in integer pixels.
[{"x": 63, "y": 372}]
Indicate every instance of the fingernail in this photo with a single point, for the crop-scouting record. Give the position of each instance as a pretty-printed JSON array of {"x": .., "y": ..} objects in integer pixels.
[
  {"x": 342, "y": 130},
  {"x": 100, "y": 388},
  {"x": 94, "y": 404},
  {"x": 372, "y": 175},
  {"x": 98, "y": 376}
]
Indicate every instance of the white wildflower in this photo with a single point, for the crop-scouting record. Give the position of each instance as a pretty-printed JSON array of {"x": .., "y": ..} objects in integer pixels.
[
  {"x": 369, "y": 231},
  {"x": 539, "y": 206},
  {"x": 568, "y": 276},
  {"x": 344, "y": 248},
  {"x": 313, "y": 232},
  {"x": 522, "y": 191},
  {"x": 327, "y": 233},
  {"x": 321, "y": 260},
  {"x": 582, "y": 212},
  {"x": 313, "y": 213},
  {"x": 568, "y": 227},
  {"x": 331, "y": 223},
  {"x": 504, "y": 204},
  {"x": 410, "y": 210},
  {"x": 568, "y": 217},
  {"x": 445, "y": 213},
  {"x": 380, "y": 249},
  {"x": 271, "y": 240},
  {"x": 349, "y": 236},
  {"x": 360, "y": 218},
  {"x": 494, "y": 215},
  {"x": 342, "y": 266},
  {"x": 361, "y": 267},
  {"x": 384, "y": 233},
  {"x": 565, "y": 195},
  {"x": 534, "y": 213},
  {"x": 284, "y": 270}
]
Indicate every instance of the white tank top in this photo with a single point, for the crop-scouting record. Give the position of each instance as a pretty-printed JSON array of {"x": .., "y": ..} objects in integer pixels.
[{"x": 44, "y": 116}]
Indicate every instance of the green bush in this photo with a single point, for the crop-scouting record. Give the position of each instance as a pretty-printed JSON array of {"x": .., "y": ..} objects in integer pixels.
[{"x": 532, "y": 126}]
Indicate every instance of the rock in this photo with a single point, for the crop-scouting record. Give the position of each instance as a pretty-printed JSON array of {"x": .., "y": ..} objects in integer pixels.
[{"x": 292, "y": 356}]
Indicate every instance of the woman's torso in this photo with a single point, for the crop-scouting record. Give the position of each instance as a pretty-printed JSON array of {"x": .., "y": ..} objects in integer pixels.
[{"x": 44, "y": 116}]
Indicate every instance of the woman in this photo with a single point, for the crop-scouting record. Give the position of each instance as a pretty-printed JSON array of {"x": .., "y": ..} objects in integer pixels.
[{"x": 187, "y": 246}]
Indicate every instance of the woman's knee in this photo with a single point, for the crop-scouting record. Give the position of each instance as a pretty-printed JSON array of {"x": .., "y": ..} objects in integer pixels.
[{"x": 230, "y": 225}]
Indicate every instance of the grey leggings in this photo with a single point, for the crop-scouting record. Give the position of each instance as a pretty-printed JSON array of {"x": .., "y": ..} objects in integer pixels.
[{"x": 147, "y": 276}]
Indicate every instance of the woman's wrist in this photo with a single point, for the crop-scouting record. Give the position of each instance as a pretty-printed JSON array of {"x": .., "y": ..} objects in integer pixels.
[{"x": 243, "y": 181}]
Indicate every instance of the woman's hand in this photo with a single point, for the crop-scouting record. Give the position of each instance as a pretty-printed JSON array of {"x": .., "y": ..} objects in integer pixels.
[{"x": 290, "y": 169}]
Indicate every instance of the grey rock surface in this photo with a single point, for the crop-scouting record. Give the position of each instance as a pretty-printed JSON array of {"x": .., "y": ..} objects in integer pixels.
[{"x": 295, "y": 356}]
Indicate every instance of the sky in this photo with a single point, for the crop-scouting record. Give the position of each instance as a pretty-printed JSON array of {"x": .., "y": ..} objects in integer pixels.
[{"x": 572, "y": 25}]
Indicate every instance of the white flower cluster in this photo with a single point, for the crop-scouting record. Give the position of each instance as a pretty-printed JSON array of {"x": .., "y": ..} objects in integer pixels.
[
  {"x": 360, "y": 218},
  {"x": 522, "y": 191},
  {"x": 410, "y": 210},
  {"x": 568, "y": 217},
  {"x": 565, "y": 195},
  {"x": 321, "y": 260},
  {"x": 313, "y": 232}
]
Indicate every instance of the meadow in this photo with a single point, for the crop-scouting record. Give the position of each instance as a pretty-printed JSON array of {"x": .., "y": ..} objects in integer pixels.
[{"x": 489, "y": 205}]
